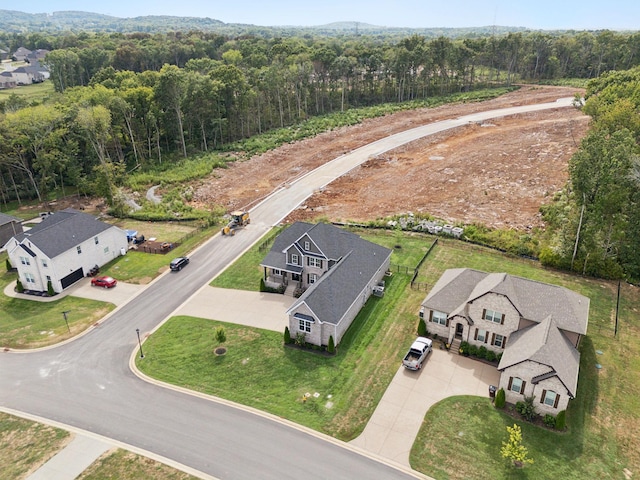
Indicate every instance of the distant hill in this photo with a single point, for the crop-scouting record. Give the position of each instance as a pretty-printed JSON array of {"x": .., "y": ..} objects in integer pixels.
[{"x": 72, "y": 21}]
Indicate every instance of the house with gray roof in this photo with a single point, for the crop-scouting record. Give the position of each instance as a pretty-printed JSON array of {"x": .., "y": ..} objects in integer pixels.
[
  {"x": 9, "y": 227},
  {"x": 534, "y": 326},
  {"x": 337, "y": 271},
  {"x": 63, "y": 248}
]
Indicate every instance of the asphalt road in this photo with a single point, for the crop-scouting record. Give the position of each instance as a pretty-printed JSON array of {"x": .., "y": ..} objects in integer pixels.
[{"x": 87, "y": 383}]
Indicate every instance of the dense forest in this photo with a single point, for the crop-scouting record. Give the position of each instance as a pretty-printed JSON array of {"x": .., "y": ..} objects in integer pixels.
[{"x": 138, "y": 102}]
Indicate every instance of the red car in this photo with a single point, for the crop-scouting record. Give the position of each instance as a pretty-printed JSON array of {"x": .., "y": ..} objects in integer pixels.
[{"x": 106, "y": 282}]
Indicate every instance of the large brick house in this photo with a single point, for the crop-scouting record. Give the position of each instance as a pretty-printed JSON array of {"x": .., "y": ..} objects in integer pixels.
[
  {"x": 536, "y": 327},
  {"x": 337, "y": 270},
  {"x": 63, "y": 248}
]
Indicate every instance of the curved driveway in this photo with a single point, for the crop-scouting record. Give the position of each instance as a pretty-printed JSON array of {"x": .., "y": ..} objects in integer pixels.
[{"x": 87, "y": 383}]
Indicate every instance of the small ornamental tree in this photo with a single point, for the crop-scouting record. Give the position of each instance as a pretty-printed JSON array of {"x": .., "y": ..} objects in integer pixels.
[
  {"x": 8, "y": 265},
  {"x": 422, "y": 328},
  {"x": 50, "y": 291},
  {"x": 561, "y": 420},
  {"x": 331, "y": 348},
  {"x": 287, "y": 336},
  {"x": 513, "y": 448},
  {"x": 19, "y": 286},
  {"x": 221, "y": 335},
  {"x": 500, "y": 399}
]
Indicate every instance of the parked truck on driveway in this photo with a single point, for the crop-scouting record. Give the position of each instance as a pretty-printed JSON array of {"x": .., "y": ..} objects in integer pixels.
[{"x": 417, "y": 353}]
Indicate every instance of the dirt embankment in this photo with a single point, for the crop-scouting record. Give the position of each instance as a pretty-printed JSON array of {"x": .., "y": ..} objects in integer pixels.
[{"x": 497, "y": 173}]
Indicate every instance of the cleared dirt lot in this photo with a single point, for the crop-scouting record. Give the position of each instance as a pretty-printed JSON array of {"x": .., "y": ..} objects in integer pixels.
[{"x": 497, "y": 173}]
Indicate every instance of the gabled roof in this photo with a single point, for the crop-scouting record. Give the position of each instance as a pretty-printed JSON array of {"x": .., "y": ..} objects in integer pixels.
[
  {"x": 4, "y": 219},
  {"x": 534, "y": 300},
  {"x": 544, "y": 343},
  {"x": 332, "y": 295},
  {"x": 62, "y": 231}
]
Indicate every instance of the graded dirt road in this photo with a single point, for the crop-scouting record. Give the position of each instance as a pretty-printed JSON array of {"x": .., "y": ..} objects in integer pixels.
[{"x": 497, "y": 173}]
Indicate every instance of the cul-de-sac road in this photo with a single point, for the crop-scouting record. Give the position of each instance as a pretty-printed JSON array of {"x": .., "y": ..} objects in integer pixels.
[{"x": 87, "y": 383}]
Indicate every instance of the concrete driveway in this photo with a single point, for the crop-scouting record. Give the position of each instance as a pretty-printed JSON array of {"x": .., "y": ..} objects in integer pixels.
[
  {"x": 393, "y": 427},
  {"x": 254, "y": 309},
  {"x": 117, "y": 295}
]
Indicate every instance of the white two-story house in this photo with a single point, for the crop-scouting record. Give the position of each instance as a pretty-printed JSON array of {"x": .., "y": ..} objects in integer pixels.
[
  {"x": 536, "y": 327},
  {"x": 63, "y": 248}
]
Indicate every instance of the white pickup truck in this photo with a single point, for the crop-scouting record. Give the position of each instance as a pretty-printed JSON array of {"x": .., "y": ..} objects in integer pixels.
[{"x": 417, "y": 353}]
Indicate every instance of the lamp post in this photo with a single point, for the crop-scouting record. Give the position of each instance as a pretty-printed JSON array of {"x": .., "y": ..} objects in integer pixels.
[
  {"x": 139, "y": 343},
  {"x": 64, "y": 314}
]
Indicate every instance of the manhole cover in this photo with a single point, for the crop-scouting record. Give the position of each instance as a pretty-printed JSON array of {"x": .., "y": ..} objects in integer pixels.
[{"x": 220, "y": 351}]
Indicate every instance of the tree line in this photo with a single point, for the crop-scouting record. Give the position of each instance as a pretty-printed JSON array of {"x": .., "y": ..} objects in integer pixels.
[
  {"x": 129, "y": 102},
  {"x": 595, "y": 222}
]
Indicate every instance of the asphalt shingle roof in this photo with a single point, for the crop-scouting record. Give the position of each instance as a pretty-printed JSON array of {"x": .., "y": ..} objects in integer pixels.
[
  {"x": 62, "y": 231},
  {"x": 534, "y": 300},
  {"x": 332, "y": 295},
  {"x": 544, "y": 343},
  {"x": 4, "y": 219}
]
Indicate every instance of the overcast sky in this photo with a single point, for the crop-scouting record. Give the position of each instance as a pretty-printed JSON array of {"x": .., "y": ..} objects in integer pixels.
[{"x": 535, "y": 14}]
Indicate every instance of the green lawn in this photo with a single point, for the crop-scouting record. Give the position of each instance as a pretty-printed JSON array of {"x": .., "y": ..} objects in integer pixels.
[
  {"x": 275, "y": 378},
  {"x": 35, "y": 92},
  {"x": 604, "y": 421},
  {"x": 140, "y": 267},
  {"x": 32, "y": 324}
]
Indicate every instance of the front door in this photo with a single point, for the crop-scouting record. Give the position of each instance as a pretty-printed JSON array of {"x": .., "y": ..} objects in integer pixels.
[{"x": 459, "y": 329}]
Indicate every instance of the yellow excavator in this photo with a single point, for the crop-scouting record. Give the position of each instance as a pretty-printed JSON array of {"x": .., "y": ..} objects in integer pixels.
[{"x": 239, "y": 219}]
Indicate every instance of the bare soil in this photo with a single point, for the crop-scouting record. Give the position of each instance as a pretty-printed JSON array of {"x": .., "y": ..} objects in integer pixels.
[{"x": 497, "y": 173}]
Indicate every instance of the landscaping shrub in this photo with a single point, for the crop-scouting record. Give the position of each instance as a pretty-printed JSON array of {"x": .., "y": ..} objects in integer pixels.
[
  {"x": 19, "y": 286},
  {"x": 473, "y": 350},
  {"x": 482, "y": 352},
  {"x": 8, "y": 265},
  {"x": 221, "y": 335},
  {"x": 287, "y": 336},
  {"x": 500, "y": 400},
  {"x": 561, "y": 420},
  {"x": 50, "y": 291},
  {"x": 527, "y": 408},
  {"x": 262, "y": 285},
  {"x": 550, "y": 421},
  {"x": 464, "y": 348},
  {"x": 422, "y": 328},
  {"x": 491, "y": 356},
  {"x": 331, "y": 348}
]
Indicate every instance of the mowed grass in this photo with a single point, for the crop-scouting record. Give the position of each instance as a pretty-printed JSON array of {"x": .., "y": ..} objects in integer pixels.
[
  {"x": 140, "y": 267},
  {"x": 274, "y": 378},
  {"x": 245, "y": 273},
  {"x": 31, "y": 93},
  {"x": 26, "y": 445},
  {"x": 122, "y": 464},
  {"x": 461, "y": 437},
  {"x": 161, "y": 231},
  {"x": 32, "y": 324}
]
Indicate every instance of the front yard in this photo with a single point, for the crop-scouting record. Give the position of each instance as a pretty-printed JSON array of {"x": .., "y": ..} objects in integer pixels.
[{"x": 603, "y": 421}]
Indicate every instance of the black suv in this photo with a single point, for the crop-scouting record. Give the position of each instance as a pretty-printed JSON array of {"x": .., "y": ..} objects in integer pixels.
[{"x": 177, "y": 263}]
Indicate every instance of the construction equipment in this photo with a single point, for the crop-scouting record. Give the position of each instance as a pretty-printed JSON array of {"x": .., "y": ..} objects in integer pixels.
[{"x": 239, "y": 219}]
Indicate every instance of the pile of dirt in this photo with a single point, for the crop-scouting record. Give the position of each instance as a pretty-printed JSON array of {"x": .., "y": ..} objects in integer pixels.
[{"x": 496, "y": 173}]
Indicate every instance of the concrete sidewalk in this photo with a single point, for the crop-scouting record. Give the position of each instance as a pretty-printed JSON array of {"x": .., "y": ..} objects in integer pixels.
[
  {"x": 394, "y": 425},
  {"x": 72, "y": 460}
]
